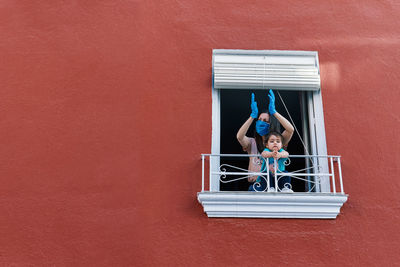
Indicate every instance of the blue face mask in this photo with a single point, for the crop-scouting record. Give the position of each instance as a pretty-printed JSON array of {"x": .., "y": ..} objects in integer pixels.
[{"x": 262, "y": 127}]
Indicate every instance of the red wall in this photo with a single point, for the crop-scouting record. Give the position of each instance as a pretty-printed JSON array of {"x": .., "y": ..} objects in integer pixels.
[{"x": 106, "y": 106}]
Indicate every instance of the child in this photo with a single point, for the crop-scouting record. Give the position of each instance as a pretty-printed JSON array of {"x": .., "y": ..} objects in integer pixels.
[{"x": 273, "y": 151}]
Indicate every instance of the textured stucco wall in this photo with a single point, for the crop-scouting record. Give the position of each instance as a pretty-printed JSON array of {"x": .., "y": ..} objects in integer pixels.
[{"x": 106, "y": 107}]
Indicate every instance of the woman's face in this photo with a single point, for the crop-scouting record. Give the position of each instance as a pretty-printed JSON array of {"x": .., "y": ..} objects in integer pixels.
[{"x": 264, "y": 117}]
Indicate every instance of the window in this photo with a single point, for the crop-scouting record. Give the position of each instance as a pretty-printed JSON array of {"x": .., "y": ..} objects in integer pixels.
[
  {"x": 235, "y": 110},
  {"x": 295, "y": 74},
  {"x": 294, "y": 71}
]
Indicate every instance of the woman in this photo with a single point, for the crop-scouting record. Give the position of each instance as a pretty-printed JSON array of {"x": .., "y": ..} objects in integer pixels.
[{"x": 256, "y": 145}]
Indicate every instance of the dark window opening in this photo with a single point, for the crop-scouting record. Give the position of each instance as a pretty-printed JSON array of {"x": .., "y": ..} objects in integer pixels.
[{"x": 235, "y": 110}]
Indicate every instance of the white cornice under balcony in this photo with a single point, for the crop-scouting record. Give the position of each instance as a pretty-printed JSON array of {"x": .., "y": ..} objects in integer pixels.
[{"x": 272, "y": 205}]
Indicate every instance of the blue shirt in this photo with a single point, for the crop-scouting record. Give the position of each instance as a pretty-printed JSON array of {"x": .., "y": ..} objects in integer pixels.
[{"x": 281, "y": 162}]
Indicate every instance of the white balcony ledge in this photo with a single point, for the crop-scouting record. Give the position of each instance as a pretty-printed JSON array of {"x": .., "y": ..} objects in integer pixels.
[{"x": 271, "y": 205}]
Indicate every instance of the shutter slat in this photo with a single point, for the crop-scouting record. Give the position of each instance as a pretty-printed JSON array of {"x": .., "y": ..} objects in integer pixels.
[{"x": 249, "y": 69}]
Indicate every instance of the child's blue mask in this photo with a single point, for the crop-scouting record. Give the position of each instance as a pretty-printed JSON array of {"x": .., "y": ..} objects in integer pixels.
[{"x": 262, "y": 127}]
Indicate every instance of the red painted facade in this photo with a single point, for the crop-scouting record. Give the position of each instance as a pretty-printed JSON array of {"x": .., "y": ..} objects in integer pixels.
[{"x": 106, "y": 108}]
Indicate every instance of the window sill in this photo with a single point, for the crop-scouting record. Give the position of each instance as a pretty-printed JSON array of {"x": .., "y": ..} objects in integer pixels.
[{"x": 271, "y": 205}]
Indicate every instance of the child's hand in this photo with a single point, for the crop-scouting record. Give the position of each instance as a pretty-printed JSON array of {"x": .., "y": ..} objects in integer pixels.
[{"x": 275, "y": 154}]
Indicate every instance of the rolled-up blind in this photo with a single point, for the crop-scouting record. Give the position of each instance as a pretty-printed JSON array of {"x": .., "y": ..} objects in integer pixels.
[{"x": 266, "y": 69}]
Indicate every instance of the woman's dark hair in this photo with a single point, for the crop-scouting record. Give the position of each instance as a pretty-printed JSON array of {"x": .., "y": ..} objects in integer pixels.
[
  {"x": 259, "y": 142},
  {"x": 274, "y": 126}
]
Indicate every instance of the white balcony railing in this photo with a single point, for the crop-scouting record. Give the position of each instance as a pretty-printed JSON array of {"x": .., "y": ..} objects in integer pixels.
[
  {"x": 322, "y": 197},
  {"x": 312, "y": 175}
]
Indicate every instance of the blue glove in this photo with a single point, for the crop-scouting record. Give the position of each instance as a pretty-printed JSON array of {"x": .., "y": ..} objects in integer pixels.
[
  {"x": 271, "y": 107},
  {"x": 254, "y": 109}
]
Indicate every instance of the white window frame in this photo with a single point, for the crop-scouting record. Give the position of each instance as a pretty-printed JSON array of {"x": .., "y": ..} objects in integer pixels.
[
  {"x": 322, "y": 205},
  {"x": 316, "y": 125}
]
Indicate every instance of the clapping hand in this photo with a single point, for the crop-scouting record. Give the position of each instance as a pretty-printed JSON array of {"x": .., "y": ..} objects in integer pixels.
[
  {"x": 271, "y": 107},
  {"x": 254, "y": 108}
]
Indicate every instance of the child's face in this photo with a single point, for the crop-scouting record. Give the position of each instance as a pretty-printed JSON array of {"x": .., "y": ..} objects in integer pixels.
[{"x": 274, "y": 143}]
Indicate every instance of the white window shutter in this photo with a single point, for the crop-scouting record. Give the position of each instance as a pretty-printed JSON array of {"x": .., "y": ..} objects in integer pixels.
[{"x": 266, "y": 69}]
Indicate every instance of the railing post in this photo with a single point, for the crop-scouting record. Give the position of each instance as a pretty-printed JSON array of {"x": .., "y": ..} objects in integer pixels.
[
  {"x": 275, "y": 176},
  {"x": 210, "y": 174},
  {"x": 202, "y": 173},
  {"x": 316, "y": 169},
  {"x": 333, "y": 176},
  {"x": 266, "y": 160},
  {"x": 340, "y": 175}
]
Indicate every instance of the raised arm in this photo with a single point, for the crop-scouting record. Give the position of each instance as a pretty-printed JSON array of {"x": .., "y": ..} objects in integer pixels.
[
  {"x": 241, "y": 134},
  {"x": 288, "y": 133}
]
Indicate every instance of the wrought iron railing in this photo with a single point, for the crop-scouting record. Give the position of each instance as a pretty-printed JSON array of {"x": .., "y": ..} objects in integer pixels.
[{"x": 318, "y": 172}]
